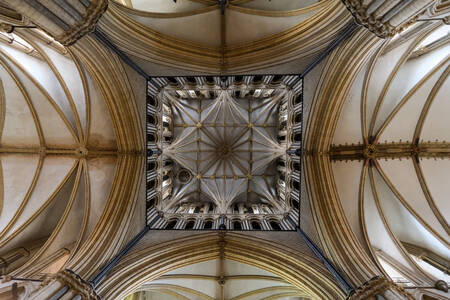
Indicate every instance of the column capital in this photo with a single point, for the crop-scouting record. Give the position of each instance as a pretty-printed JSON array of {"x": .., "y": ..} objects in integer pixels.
[
  {"x": 379, "y": 286},
  {"x": 386, "y": 18},
  {"x": 77, "y": 284}
]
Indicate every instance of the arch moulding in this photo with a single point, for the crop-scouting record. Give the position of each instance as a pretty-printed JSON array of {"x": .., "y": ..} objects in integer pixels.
[{"x": 146, "y": 264}]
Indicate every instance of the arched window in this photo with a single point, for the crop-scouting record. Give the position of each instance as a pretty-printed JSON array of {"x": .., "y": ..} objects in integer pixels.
[
  {"x": 255, "y": 225},
  {"x": 277, "y": 79},
  {"x": 151, "y": 100},
  {"x": 151, "y": 166},
  {"x": 152, "y": 184},
  {"x": 257, "y": 79},
  {"x": 151, "y": 119},
  {"x": 295, "y": 203},
  {"x": 190, "y": 224},
  {"x": 151, "y": 202},
  {"x": 208, "y": 224},
  {"x": 275, "y": 225},
  {"x": 196, "y": 210},
  {"x": 298, "y": 99},
  {"x": 171, "y": 224},
  {"x": 250, "y": 210},
  {"x": 237, "y": 225},
  {"x": 172, "y": 80}
]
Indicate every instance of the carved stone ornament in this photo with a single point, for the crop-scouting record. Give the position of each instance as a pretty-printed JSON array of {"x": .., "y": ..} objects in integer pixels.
[
  {"x": 87, "y": 25},
  {"x": 378, "y": 286},
  {"x": 77, "y": 284},
  {"x": 377, "y": 24}
]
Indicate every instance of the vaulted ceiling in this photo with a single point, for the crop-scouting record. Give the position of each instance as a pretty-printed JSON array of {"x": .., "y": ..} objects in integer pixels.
[
  {"x": 391, "y": 154},
  {"x": 53, "y": 187},
  {"x": 375, "y": 190}
]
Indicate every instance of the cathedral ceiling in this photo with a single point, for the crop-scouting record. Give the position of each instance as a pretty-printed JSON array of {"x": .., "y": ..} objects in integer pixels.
[
  {"x": 57, "y": 149},
  {"x": 224, "y": 148},
  {"x": 62, "y": 137},
  {"x": 250, "y": 35},
  {"x": 219, "y": 279},
  {"x": 391, "y": 156}
]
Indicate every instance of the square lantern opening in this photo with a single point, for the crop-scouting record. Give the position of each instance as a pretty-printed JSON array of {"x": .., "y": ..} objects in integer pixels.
[{"x": 223, "y": 152}]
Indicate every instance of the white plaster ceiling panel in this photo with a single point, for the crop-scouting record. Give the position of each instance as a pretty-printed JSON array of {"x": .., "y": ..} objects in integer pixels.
[
  {"x": 403, "y": 125},
  {"x": 243, "y": 27},
  {"x": 433, "y": 130},
  {"x": 56, "y": 127},
  {"x": 382, "y": 68},
  {"x": 278, "y": 5},
  {"x": 71, "y": 79},
  {"x": 165, "y": 6},
  {"x": 101, "y": 172},
  {"x": 351, "y": 114},
  {"x": 413, "y": 70},
  {"x": 349, "y": 174},
  {"x": 73, "y": 221},
  {"x": 202, "y": 28},
  {"x": 377, "y": 230},
  {"x": 203, "y": 281},
  {"x": 42, "y": 73},
  {"x": 52, "y": 176},
  {"x": 17, "y": 174},
  {"x": 404, "y": 179},
  {"x": 437, "y": 173},
  {"x": 18, "y": 127},
  {"x": 41, "y": 224},
  {"x": 100, "y": 132},
  {"x": 403, "y": 224}
]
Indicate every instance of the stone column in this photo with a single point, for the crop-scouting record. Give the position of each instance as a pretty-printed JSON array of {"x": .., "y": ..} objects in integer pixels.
[
  {"x": 379, "y": 288},
  {"x": 66, "y": 285},
  {"x": 385, "y": 18},
  {"x": 66, "y": 21}
]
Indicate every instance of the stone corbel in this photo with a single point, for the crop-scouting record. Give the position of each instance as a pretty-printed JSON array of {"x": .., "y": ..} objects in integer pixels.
[
  {"x": 379, "y": 286},
  {"x": 386, "y": 18},
  {"x": 65, "y": 284},
  {"x": 77, "y": 285}
]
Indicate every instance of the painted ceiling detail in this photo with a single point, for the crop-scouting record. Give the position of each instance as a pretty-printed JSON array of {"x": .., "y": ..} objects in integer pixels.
[
  {"x": 391, "y": 154},
  {"x": 224, "y": 146}
]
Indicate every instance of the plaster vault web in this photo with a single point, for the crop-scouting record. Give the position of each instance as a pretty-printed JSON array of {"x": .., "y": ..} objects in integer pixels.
[{"x": 222, "y": 152}]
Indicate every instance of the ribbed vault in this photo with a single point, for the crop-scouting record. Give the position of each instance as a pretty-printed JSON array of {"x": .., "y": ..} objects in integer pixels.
[
  {"x": 390, "y": 156},
  {"x": 55, "y": 158}
]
